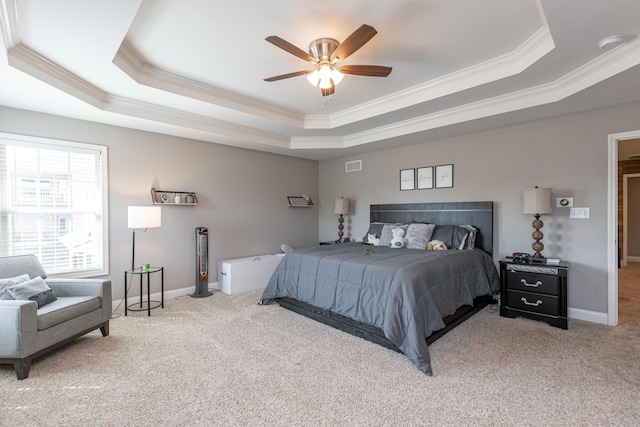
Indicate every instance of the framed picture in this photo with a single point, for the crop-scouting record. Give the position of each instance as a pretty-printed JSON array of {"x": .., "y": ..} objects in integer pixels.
[
  {"x": 407, "y": 179},
  {"x": 425, "y": 178},
  {"x": 444, "y": 176}
]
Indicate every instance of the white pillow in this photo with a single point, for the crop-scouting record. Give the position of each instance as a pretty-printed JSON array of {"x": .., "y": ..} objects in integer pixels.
[{"x": 10, "y": 281}]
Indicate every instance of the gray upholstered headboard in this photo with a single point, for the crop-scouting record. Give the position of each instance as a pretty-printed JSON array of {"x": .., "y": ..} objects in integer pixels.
[{"x": 478, "y": 214}]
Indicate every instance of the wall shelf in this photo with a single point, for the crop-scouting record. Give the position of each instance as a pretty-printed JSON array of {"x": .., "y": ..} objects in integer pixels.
[
  {"x": 303, "y": 201},
  {"x": 164, "y": 197}
]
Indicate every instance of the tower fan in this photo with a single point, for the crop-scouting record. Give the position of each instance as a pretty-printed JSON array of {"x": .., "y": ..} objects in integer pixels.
[{"x": 202, "y": 264}]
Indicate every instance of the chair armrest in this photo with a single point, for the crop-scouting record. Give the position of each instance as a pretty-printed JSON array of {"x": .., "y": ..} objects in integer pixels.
[
  {"x": 18, "y": 327},
  {"x": 84, "y": 287},
  {"x": 78, "y": 287}
]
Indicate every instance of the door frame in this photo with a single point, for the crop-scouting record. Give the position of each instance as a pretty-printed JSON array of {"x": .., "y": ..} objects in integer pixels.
[
  {"x": 625, "y": 216},
  {"x": 612, "y": 223}
]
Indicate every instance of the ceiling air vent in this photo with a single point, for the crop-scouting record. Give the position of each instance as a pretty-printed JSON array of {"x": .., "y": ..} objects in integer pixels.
[{"x": 353, "y": 166}]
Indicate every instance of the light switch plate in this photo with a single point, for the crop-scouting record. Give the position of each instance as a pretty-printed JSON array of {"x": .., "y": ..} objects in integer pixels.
[
  {"x": 564, "y": 202},
  {"x": 580, "y": 213}
]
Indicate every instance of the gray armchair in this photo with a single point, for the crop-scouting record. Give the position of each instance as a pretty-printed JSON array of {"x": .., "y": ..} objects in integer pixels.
[{"x": 26, "y": 331}]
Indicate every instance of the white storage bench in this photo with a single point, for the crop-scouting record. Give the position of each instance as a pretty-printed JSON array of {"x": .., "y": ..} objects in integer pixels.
[{"x": 246, "y": 274}]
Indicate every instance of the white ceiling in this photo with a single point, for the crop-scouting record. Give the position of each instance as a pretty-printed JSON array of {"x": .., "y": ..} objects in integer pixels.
[{"x": 195, "y": 68}]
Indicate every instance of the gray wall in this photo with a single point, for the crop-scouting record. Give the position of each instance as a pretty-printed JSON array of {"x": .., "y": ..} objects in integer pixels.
[
  {"x": 241, "y": 194},
  {"x": 567, "y": 153}
]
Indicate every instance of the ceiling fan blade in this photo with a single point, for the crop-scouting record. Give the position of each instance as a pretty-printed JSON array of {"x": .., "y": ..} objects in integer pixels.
[
  {"x": 355, "y": 41},
  {"x": 366, "y": 70},
  {"x": 294, "y": 50},
  {"x": 287, "y": 76}
]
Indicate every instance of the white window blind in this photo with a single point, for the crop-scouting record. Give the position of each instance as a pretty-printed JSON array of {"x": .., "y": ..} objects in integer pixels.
[{"x": 53, "y": 203}]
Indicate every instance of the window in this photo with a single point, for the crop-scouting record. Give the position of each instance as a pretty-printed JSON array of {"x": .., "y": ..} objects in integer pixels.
[{"x": 53, "y": 203}]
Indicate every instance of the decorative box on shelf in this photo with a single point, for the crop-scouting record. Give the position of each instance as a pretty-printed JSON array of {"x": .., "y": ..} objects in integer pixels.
[{"x": 182, "y": 198}]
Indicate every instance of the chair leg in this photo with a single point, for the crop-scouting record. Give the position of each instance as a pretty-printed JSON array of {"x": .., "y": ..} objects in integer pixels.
[
  {"x": 105, "y": 328},
  {"x": 22, "y": 367}
]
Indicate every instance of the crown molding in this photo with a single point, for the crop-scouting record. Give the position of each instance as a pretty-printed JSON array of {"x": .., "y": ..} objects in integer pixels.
[
  {"x": 32, "y": 63},
  {"x": 9, "y": 23},
  {"x": 601, "y": 68},
  {"x": 218, "y": 128},
  {"x": 507, "y": 65},
  {"x": 149, "y": 75}
]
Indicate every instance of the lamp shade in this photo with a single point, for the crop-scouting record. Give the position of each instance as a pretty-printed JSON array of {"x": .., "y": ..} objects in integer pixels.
[
  {"x": 342, "y": 206},
  {"x": 536, "y": 201},
  {"x": 144, "y": 216}
]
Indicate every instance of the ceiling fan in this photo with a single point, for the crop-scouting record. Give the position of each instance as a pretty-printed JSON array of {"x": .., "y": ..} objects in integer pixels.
[{"x": 324, "y": 54}]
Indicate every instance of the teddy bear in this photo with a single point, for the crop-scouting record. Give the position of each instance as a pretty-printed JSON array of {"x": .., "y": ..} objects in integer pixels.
[
  {"x": 398, "y": 238},
  {"x": 373, "y": 240}
]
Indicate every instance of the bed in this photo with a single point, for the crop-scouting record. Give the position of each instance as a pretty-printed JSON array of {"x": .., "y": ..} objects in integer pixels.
[{"x": 402, "y": 299}]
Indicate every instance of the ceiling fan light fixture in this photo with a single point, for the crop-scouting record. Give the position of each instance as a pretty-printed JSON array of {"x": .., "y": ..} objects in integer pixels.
[
  {"x": 314, "y": 77},
  {"x": 336, "y": 76},
  {"x": 325, "y": 72},
  {"x": 325, "y": 83}
]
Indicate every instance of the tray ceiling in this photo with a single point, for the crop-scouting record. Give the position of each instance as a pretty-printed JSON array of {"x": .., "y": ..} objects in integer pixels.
[{"x": 195, "y": 68}]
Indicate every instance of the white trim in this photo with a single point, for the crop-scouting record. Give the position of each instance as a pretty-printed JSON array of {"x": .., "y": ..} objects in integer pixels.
[
  {"x": 625, "y": 216},
  {"x": 156, "y": 296},
  {"x": 587, "y": 315},
  {"x": 612, "y": 223}
]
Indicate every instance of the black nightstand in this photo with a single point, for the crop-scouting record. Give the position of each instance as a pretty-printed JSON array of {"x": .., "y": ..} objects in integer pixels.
[{"x": 535, "y": 290}]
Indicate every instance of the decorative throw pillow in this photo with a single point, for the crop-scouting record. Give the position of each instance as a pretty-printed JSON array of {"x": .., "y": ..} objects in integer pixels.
[
  {"x": 418, "y": 235},
  {"x": 34, "y": 290},
  {"x": 10, "y": 281},
  {"x": 471, "y": 237}
]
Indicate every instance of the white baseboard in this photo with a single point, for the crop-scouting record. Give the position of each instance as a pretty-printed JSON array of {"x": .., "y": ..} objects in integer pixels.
[
  {"x": 573, "y": 313},
  {"x": 633, "y": 258},
  {"x": 168, "y": 294},
  {"x": 587, "y": 315}
]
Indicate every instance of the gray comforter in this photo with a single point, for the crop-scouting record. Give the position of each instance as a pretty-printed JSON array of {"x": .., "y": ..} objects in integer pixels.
[{"x": 404, "y": 292}]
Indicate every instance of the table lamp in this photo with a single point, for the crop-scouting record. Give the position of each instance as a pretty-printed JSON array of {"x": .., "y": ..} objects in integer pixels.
[
  {"x": 341, "y": 208},
  {"x": 537, "y": 201},
  {"x": 141, "y": 218}
]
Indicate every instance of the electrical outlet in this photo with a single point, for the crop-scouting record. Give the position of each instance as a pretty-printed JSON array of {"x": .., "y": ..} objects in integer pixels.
[{"x": 580, "y": 213}]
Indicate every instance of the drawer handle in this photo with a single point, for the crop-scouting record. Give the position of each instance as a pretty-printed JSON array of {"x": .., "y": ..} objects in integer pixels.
[
  {"x": 535, "y": 304},
  {"x": 533, "y": 285}
]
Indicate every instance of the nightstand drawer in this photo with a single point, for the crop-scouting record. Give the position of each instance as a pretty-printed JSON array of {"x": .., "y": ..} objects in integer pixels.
[
  {"x": 532, "y": 282},
  {"x": 533, "y": 302}
]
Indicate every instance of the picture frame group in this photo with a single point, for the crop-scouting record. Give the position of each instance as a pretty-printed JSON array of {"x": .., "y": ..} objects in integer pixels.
[{"x": 426, "y": 177}]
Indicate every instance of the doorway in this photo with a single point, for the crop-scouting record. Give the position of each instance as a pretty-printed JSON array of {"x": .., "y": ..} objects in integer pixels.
[{"x": 613, "y": 254}]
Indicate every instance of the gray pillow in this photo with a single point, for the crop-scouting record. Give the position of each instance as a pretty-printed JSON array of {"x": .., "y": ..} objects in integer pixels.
[
  {"x": 454, "y": 236},
  {"x": 418, "y": 235},
  {"x": 10, "y": 281},
  {"x": 33, "y": 290}
]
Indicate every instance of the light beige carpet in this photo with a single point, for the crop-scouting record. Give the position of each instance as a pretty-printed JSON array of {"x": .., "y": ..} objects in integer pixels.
[{"x": 226, "y": 361}]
